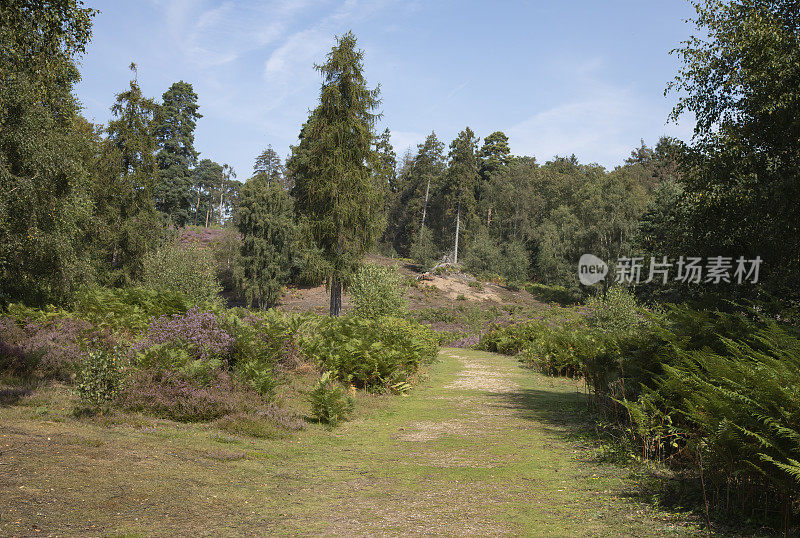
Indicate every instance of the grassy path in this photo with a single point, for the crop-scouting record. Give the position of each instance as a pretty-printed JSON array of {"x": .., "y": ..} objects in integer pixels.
[{"x": 483, "y": 448}]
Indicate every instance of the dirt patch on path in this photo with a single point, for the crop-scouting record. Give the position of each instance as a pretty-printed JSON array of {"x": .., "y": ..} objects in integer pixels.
[
  {"x": 428, "y": 431},
  {"x": 478, "y": 375},
  {"x": 475, "y": 375}
]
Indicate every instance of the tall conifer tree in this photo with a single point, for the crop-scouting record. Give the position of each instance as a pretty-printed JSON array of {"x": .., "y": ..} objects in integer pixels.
[
  {"x": 126, "y": 217},
  {"x": 418, "y": 181},
  {"x": 266, "y": 223},
  {"x": 493, "y": 159},
  {"x": 460, "y": 180},
  {"x": 331, "y": 166},
  {"x": 175, "y": 134},
  {"x": 268, "y": 164}
]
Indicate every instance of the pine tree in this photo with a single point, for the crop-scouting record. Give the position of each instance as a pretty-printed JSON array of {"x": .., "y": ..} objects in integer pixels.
[
  {"x": 266, "y": 223},
  {"x": 429, "y": 167},
  {"x": 126, "y": 218},
  {"x": 417, "y": 183},
  {"x": 385, "y": 164},
  {"x": 334, "y": 183},
  {"x": 175, "y": 135},
  {"x": 494, "y": 154},
  {"x": 460, "y": 180},
  {"x": 493, "y": 158},
  {"x": 269, "y": 165},
  {"x": 207, "y": 178},
  {"x": 384, "y": 168}
]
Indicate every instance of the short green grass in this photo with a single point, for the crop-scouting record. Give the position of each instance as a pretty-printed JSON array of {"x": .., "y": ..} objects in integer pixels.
[{"x": 483, "y": 447}]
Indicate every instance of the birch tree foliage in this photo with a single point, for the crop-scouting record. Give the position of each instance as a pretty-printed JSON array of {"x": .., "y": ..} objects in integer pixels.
[
  {"x": 739, "y": 78},
  {"x": 46, "y": 149}
]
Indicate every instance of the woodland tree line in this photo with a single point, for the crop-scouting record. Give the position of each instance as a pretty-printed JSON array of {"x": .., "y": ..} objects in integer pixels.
[{"x": 84, "y": 203}]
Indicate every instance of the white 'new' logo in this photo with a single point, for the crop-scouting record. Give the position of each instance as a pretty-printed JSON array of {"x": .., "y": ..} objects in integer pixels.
[{"x": 591, "y": 269}]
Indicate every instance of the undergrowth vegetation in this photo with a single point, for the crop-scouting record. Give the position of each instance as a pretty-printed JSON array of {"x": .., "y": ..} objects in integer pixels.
[
  {"x": 711, "y": 395},
  {"x": 372, "y": 353},
  {"x": 376, "y": 291},
  {"x": 188, "y": 268},
  {"x": 161, "y": 353},
  {"x": 330, "y": 404}
]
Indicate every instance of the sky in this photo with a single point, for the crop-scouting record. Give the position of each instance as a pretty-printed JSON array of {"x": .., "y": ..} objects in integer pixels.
[{"x": 558, "y": 77}]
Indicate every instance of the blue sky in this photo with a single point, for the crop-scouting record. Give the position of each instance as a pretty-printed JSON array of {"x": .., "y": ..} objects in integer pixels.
[{"x": 576, "y": 76}]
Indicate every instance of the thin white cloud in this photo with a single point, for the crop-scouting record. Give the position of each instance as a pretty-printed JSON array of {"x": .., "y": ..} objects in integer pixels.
[
  {"x": 601, "y": 123},
  {"x": 289, "y": 68},
  {"x": 404, "y": 140},
  {"x": 456, "y": 90},
  {"x": 589, "y": 128},
  {"x": 213, "y": 36}
]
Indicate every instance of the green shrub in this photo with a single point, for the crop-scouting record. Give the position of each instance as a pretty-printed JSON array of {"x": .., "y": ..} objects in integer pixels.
[
  {"x": 553, "y": 294},
  {"x": 514, "y": 338},
  {"x": 101, "y": 377},
  {"x": 203, "y": 372},
  {"x": 556, "y": 351},
  {"x": 377, "y": 291},
  {"x": 511, "y": 339},
  {"x": 330, "y": 403},
  {"x": 258, "y": 336},
  {"x": 483, "y": 254},
  {"x": 261, "y": 377},
  {"x": 423, "y": 249},
  {"x": 561, "y": 344},
  {"x": 616, "y": 310},
  {"x": 371, "y": 353},
  {"x": 485, "y": 257},
  {"x": 128, "y": 309},
  {"x": 733, "y": 408},
  {"x": 264, "y": 342},
  {"x": 189, "y": 269},
  {"x": 166, "y": 356},
  {"x": 659, "y": 340},
  {"x": 515, "y": 262},
  {"x": 226, "y": 252},
  {"x": 23, "y": 313}
]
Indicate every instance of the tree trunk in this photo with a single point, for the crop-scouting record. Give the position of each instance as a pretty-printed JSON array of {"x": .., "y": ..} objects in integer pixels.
[
  {"x": 336, "y": 296},
  {"x": 220, "y": 205},
  {"x": 197, "y": 209},
  {"x": 425, "y": 207},
  {"x": 458, "y": 223},
  {"x": 207, "y": 212}
]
